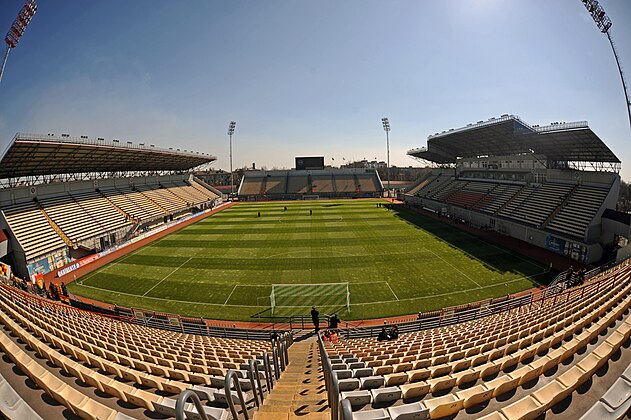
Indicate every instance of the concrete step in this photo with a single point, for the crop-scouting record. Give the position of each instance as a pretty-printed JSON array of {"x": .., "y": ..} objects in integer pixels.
[
  {"x": 300, "y": 391},
  {"x": 291, "y": 416}
]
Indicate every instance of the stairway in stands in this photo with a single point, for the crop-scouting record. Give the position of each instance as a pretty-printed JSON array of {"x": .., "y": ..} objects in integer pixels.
[{"x": 300, "y": 391}]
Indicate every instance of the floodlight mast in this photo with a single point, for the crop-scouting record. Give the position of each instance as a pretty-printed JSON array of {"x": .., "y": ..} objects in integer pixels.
[
  {"x": 386, "y": 127},
  {"x": 17, "y": 29},
  {"x": 604, "y": 23},
  {"x": 231, "y": 127}
]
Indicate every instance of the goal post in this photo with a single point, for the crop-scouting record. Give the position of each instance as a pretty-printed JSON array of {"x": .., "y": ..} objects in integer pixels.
[{"x": 293, "y": 299}]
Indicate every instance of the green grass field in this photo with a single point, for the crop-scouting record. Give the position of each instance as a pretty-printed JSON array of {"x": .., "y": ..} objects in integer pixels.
[{"x": 396, "y": 262}]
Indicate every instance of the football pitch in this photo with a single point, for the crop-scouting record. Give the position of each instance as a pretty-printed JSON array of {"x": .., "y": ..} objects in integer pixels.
[{"x": 396, "y": 262}]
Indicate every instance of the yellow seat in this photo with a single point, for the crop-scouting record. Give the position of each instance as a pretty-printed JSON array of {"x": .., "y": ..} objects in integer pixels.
[
  {"x": 393, "y": 379},
  {"x": 525, "y": 409},
  {"x": 444, "y": 406},
  {"x": 414, "y": 390},
  {"x": 475, "y": 395},
  {"x": 418, "y": 375},
  {"x": 551, "y": 394},
  {"x": 444, "y": 382}
]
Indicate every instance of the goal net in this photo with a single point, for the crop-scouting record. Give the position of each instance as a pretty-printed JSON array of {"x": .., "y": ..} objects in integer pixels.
[{"x": 294, "y": 299}]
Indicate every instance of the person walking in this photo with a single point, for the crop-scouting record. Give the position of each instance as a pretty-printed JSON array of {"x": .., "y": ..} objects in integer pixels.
[{"x": 315, "y": 317}]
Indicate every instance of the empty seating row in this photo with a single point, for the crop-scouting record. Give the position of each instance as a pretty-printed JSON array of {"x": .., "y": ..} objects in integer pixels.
[
  {"x": 72, "y": 219},
  {"x": 616, "y": 401},
  {"x": 81, "y": 344},
  {"x": 345, "y": 183},
  {"x": 534, "y": 205},
  {"x": 579, "y": 211},
  {"x": 404, "y": 372},
  {"x": 102, "y": 210},
  {"x": 32, "y": 230}
]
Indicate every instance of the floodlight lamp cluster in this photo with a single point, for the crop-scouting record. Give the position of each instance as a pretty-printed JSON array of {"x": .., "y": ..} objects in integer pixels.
[
  {"x": 598, "y": 14},
  {"x": 386, "y": 124},
  {"x": 231, "y": 127},
  {"x": 20, "y": 23}
]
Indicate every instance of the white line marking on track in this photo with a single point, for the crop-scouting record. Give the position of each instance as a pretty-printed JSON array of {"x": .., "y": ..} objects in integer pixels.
[
  {"x": 167, "y": 276},
  {"x": 230, "y": 295},
  {"x": 394, "y": 294},
  {"x": 457, "y": 269}
]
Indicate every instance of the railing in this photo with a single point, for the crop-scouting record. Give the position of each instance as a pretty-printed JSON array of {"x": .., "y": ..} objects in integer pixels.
[
  {"x": 330, "y": 380},
  {"x": 231, "y": 376},
  {"x": 280, "y": 359},
  {"x": 181, "y": 401},
  {"x": 560, "y": 126},
  {"x": 101, "y": 142}
]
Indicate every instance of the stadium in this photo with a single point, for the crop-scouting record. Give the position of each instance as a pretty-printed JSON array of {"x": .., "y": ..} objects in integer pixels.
[{"x": 495, "y": 286}]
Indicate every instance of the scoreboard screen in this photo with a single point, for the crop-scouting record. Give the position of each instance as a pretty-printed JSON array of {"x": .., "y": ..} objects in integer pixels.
[{"x": 312, "y": 162}]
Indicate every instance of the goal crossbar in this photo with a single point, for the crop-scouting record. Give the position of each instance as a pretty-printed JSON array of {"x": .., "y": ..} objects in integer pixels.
[{"x": 303, "y": 295}]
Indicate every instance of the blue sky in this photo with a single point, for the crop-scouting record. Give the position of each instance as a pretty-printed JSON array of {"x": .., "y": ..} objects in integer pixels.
[{"x": 310, "y": 77}]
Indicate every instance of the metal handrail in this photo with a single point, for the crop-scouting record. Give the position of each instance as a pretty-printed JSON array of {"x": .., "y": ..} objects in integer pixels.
[
  {"x": 255, "y": 380},
  {"x": 347, "y": 410},
  {"x": 275, "y": 361},
  {"x": 332, "y": 389},
  {"x": 269, "y": 378},
  {"x": 231, "y": 375},
  {"x": 181, "y": 400}
]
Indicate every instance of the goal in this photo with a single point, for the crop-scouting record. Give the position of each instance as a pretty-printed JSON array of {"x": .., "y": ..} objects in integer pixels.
[{"x": 293, "y": 299}]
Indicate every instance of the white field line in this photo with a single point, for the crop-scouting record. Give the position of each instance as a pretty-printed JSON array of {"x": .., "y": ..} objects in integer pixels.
[
  {"x": 109, "y": 265},
  {"x": 167, "y": 276},
  {"x": 165, "y": 300},
  {"x": 230, "y": 295},
  {"x": 394, "y": 294},
  {"x": 352, "y": 304},
  {"x": 308, "y": 251},
  {"x": 124, "y": 257},
  {"x": 454, "y": 292},
  {"x": 456, "y": 268}
]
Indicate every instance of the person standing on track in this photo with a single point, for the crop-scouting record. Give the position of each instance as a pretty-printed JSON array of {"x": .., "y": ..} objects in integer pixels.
[{"x": 315, "y": 317}]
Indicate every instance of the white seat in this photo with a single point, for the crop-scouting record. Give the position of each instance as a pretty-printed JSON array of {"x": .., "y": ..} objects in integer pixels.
[
  {"x": 362, "y": 397},
  {"x": 618, "y": 394},
  {"x": 378, "y": 414},
  {"x": 360, "y": 373},
  {"x": 372, "y": 382},
  {"x": 348, "y": 384},
  {"x": 388, "y": 394}
]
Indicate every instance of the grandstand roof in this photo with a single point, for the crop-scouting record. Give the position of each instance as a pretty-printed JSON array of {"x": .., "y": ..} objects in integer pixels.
[
  {"x": 509, "y": 135},
  {"x": 37, "y": 154}
]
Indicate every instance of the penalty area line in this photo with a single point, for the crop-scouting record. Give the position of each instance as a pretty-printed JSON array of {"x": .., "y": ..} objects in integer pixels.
[
  {"x": 230, "y": 295},
  {"x": 394, "y": 294},
  {"x": 166, "y": 277}
]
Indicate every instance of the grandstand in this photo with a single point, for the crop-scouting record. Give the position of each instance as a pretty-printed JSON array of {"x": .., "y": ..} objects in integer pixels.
[
  {"x": 66, "y": 196},
  {"x": 526, "y": 355},
  {"x": 546, "y": 185},
  {"x": 321, "y": 183}
]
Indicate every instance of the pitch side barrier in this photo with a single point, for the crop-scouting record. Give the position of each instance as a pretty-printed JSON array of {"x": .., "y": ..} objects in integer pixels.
[{"x": 457, "y": 314}]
